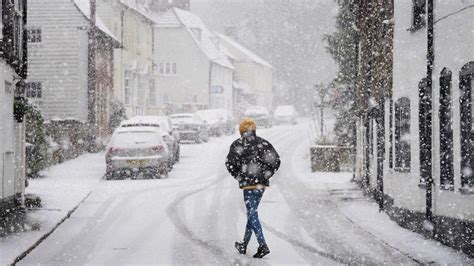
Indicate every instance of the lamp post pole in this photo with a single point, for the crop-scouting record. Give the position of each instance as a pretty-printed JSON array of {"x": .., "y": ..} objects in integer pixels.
[
  {"x": 429, "y": 73},
  {"x": 91, "y": 75}
]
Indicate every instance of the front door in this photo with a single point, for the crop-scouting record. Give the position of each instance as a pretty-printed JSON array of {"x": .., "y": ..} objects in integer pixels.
[{"x": 8, "y": 154}]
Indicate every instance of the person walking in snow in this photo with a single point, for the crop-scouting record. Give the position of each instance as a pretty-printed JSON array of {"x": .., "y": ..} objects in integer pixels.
[{"x": 252, "y": 161}]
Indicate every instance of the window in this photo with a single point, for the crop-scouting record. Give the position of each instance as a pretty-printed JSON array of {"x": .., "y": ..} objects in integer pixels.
[
  {"x": 128, "y": 87},
  {"x": 402, "y": 135},
  {"x": 33, "y": 90},
  {"x": 162, "y": 68},
  {"x": 34, "y": 34},
  {"x": 467, "y": 126},
  {"x": 446, "y": 131},
  {"x": 168, "y": 69},
  {"x": 152, "y": 96},
  {"x": 425, "y": 131},
  {"x": 173, "y": 69},
  {"x": 418, "y": 15}
]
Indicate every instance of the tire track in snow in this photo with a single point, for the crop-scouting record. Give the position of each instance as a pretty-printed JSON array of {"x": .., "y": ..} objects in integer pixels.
[{"x": 181, "y": 226}]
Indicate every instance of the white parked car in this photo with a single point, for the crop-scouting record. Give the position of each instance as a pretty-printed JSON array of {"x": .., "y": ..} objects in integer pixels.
[
  {"x": 133, "y": 150},
  {"x": 260, "y": 114},
  {"x": 190, "y": 127},
  {"x": 162, "y": 123},
  {"x": 218, "y": 121},
  {"x": 285, "y": 114}
]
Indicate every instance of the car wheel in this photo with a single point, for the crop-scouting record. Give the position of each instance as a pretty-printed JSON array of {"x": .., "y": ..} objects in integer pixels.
[
  {"x": 164, "y": 172},
  {"x": 109, "y": 175},
  {"x": 177, "y": 154}
]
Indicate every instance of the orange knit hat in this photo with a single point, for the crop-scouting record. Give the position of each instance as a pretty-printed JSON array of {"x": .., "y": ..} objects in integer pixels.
[{"x": 247, "y": 124}]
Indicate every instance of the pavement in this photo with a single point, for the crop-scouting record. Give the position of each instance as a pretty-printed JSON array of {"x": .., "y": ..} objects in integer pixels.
[{"x": 196, "y": 215}]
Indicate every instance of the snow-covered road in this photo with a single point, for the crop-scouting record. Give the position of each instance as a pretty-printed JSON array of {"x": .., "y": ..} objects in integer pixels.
[{"x": 196, "y": 215}]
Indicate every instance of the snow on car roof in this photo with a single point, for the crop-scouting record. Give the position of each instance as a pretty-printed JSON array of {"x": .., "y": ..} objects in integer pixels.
[
  {"x": 136, "y": 129},
  {"x": 183, "y": 115},
  {"x": 144, "y": 120}
]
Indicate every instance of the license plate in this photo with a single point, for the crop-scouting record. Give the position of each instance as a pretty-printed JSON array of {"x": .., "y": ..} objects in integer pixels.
[{"x": 136, "y": 163}]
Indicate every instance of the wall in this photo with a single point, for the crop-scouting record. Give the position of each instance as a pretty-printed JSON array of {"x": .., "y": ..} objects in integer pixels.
[
  {"x": 59, "y": 62},
  {"x": 175, "y": 45},
  {"x": 104, "y": 88},
  {"x": 260, "y": 78},
  {"x": 137, "y": 57},
  {"x": 454, "y": 43},
  {"x": 222, "y": 76},
  {"x": 8, "y": 151}
]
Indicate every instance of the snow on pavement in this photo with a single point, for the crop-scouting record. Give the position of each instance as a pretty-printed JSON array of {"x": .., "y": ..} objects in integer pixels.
[
  {"x": 365, "y": 213},
  {"x": 61, "y": 189}
]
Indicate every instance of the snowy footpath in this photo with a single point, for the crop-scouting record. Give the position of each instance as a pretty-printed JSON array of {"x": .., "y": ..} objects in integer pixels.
[{"x": 196, "y": 215}]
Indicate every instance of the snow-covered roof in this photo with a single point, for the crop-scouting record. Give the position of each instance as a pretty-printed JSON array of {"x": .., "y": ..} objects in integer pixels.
[
  {"x": 249, "y": 54},
  {"x": 167, "y": 19},
  {"x": 140, "y": 9},
  {"x": 85, "y": 9},
  {"x": 176, "y": 17}
]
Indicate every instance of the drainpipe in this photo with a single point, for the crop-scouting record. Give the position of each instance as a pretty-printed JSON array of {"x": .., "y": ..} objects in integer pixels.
[
  {"x": 429, "y": 73},
  {"x": 210, "y": 84},
  {"x": 91, "y": 75}
]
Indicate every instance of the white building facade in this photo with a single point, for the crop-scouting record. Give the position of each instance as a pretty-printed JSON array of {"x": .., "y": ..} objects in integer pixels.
[
  {"x": 12, "y": 133},
  {"x": 134, "y": 84},
  {"x": 251, "y": 72},
  {"x": 191, "y": 72},
  {"x": 407, "y": 123}
]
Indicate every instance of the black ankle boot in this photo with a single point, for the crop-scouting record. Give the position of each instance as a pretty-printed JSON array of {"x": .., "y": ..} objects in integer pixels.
[
  {"x": 241, "y": 248},
  {"x": 262, "y": 251}
]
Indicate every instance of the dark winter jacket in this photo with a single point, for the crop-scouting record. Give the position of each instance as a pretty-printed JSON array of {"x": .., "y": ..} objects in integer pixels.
[{"x": 252, "y": 161}]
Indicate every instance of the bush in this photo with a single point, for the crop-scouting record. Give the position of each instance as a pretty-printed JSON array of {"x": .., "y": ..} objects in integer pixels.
[{"x": 37, "y": 146}]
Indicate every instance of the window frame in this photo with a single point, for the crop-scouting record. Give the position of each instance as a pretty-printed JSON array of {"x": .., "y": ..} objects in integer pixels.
[
  {"x": 35, "y": 34},
  {"x": 168, "y": 69},
  {"x": 34, "y": 90},
  {"x": 446, "y": 130},
  {"x": 402, "y": 117},
  {"x": 418, "y": 15},
  {"x": 466, "y": 77},
  {"x": 127, "y": 88}
]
